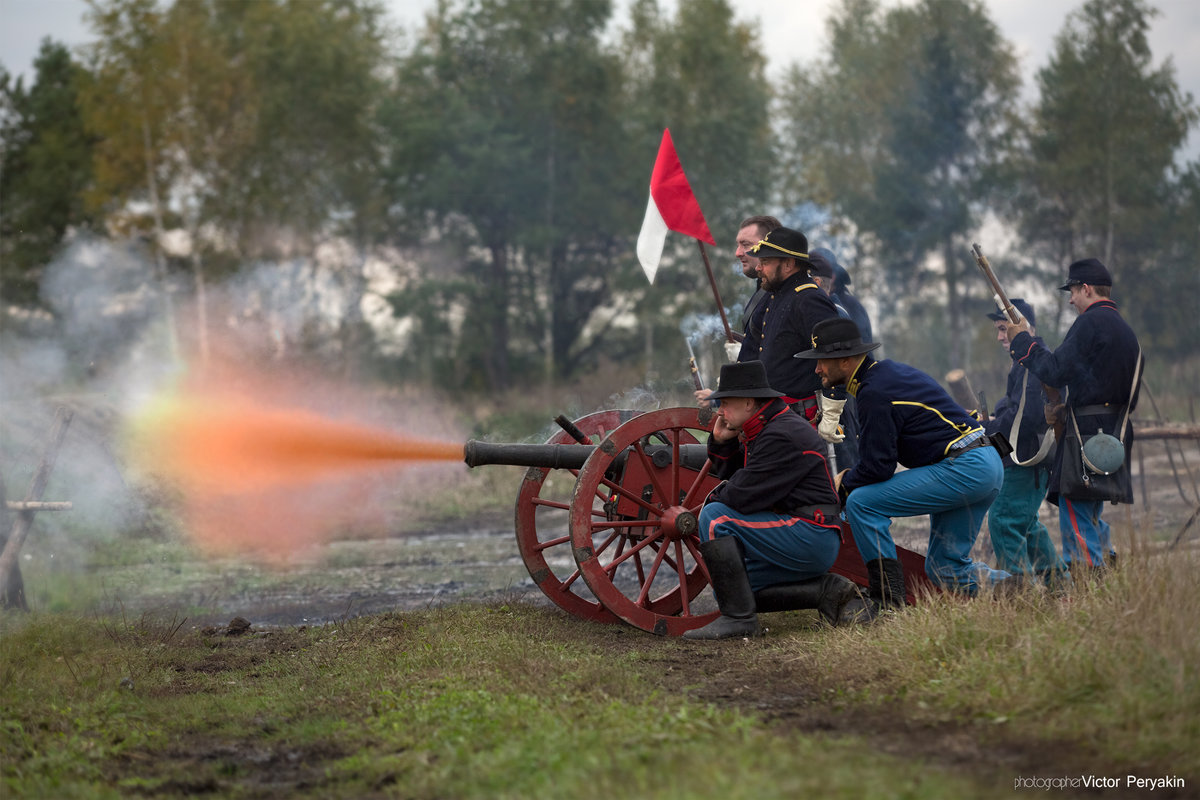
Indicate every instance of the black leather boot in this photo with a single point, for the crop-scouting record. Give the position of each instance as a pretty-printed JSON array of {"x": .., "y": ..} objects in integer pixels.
[
  {"x": 731, "y": 585},
  {"x": 828, "y": 594},
  {"x": 886, "y": 590}
]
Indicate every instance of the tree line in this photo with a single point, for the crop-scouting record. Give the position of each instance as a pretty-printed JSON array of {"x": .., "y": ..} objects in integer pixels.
[{"x": 508, "y": 144}]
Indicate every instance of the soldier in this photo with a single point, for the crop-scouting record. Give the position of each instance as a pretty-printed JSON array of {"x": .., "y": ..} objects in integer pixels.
[
  {"x": 837, "y": 421},
  {"x": 770, "y": 532},
  {"x": 1098, "y": 364},
  {"x": 953, "y": 471},
  {"x": 793, "y": 306},
  {"x": 1020, "y": 540},
  {"x": 750, "y": 232},
  {"x": 843, "y": 297}
]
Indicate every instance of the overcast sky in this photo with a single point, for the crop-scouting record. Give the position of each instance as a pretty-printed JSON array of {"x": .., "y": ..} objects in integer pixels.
[{"x": 790, "y": 30}]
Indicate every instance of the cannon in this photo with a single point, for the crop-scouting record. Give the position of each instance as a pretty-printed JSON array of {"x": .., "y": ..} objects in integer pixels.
[{"x": 607, "y": 518}]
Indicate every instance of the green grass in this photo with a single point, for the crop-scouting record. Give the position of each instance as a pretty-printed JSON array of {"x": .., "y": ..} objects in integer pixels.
[
  {"x": 1114, "y": 666},
  {"x": 471, "y": 701}
]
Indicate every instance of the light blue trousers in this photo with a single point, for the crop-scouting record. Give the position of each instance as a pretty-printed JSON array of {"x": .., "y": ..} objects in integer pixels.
[
  {"x": 1086, "y": 538},
  {"x": 956, "y": 494},
  {"x": 779, "y": 548}
]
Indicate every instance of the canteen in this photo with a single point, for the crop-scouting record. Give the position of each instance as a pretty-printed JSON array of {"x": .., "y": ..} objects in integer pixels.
[{"x": 1104, "y": 453}]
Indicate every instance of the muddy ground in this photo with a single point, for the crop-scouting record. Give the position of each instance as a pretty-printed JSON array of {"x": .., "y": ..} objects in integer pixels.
[{"x": 478, "y": 560}]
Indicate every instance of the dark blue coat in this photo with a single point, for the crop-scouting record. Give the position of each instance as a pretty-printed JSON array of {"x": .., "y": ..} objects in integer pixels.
[
  {"x": 1095, "y": 366},
  {"x": 857, "y": 313},
  {"x": 905, "y": 417},
  {"x": 1033, "y": 419},
  {"x": 781, "y": 327},
  {"x": 781, "y": 469}
]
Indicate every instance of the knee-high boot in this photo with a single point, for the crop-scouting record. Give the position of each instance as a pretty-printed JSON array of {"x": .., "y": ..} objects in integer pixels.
[
  {"x": 828, "y": 594},
  {"x": 731, "y": 585},
  {"x": 886, "y": 591}
]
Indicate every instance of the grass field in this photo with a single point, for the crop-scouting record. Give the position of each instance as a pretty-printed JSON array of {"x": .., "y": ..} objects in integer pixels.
[{"x": 952, "y": 698}]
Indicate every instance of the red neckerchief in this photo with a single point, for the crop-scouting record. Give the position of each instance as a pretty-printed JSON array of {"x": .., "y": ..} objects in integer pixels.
[{"x": 753, "y": 426}]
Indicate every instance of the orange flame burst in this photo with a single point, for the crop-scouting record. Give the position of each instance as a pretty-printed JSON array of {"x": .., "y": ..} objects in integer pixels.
[{"x": 257, "y": 475}]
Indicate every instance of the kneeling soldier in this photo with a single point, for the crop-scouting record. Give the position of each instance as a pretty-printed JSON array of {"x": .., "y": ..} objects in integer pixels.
[
  {"x": 953, "y": 471},
  {"x": 770, "y": 532}
]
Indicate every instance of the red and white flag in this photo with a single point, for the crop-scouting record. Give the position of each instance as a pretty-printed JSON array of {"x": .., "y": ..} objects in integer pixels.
[{"x": 672, "y": 207}]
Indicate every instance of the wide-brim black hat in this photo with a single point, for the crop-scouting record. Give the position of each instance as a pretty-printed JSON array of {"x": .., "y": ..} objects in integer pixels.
[
  {"x": 743, "y": 379},
  {"x": 836, "y": 338},
  {"x": 782, "y": 243}
]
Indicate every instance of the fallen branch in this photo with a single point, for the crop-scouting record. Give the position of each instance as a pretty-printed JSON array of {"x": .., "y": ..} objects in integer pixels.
[{"x": 27, "y": 505}]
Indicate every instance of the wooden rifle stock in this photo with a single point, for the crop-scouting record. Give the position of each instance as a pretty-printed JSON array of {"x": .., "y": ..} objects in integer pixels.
[{"x": 1053, "y": 395}]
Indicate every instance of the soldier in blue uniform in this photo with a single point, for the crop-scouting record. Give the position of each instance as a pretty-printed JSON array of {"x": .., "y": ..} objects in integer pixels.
[
  {"x": 843, "y": 297},
  {"x": 953, "y": 471},
  {"x": 1096, "y": 364},
  {"x": 770, "y": 532},
  {"x": 783, "y": 323},
  {"x": 1020, "y": 540}
]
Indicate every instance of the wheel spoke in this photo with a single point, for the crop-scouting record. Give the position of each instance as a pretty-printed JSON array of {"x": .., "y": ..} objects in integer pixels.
[
  {"x": 537, "y": 501},
  {"x": 697, "y": 484},
  {"x": 683, "y": 581},
  {"x": 628, "y": 495},
  {"x": 553, "y": 542},
  {"x": 658, "y": 559},
  {"x": 611, "y": 567}
]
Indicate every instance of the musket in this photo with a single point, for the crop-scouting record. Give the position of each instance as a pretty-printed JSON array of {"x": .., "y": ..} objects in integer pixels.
[
  {"x": 1053, "y": 395},
  {"x": 697, "y": 381},
  {"x": 1002, "y": 301}
]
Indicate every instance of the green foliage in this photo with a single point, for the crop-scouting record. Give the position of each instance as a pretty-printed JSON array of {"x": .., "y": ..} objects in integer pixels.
[
  {"x": 902, "y": 131},
  {"x": 1099, "y": 178},
  {"x": 46, "y": 155}
]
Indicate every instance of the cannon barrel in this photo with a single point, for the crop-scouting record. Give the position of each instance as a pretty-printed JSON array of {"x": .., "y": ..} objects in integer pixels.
[
  {"x": 569, "y": 456},
  {"x": 551, "y": 456}
]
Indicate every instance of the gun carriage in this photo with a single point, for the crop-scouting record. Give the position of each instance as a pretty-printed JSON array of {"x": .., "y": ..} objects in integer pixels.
[{"x": 620, "y": 542}]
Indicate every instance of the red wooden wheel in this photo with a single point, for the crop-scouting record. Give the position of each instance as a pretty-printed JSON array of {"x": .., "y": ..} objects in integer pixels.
[
  {"x": 634, "y": 520},
  {"x": 543, "y": 524}
]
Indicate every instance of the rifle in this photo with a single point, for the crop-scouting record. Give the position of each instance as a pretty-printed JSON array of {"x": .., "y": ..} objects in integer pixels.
[
  {"x": 697, "y": 381},
  {"x": 1053, "y": 395}
]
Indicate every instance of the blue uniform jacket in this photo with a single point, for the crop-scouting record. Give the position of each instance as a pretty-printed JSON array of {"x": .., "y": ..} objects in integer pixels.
[
  {"x": 857, "y": 313},
  {"x": 781, "y": 469},
  {"x": 781, "y": 327},
  {"x": 905, "y": 418},
  {"x": 1095, "y": 364},
  {"x": 1033, "y": 420}
]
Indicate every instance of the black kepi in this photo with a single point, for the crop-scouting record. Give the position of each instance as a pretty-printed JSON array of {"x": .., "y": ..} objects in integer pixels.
[
  {"x": 836, "y": 338},
  {"x": 782, "y": 243},
  {"x": 1090, "y": 271},
  {"x": 743, "y": 379}
]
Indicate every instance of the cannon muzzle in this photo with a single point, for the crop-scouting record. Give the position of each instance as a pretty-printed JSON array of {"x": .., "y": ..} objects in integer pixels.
[
  {"x": 551, "y": 456},
  {"x": 570, "y": 456}
]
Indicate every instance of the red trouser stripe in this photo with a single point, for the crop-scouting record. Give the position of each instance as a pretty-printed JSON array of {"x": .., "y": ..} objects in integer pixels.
[{"x": 1079, "y": 540}]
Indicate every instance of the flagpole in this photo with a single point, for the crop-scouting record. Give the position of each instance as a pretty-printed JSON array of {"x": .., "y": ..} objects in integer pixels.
[{"x": 730, "y": 335}]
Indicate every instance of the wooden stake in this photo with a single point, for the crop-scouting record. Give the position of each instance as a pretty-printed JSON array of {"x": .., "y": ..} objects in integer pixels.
[{"x": 37, "y": 487}]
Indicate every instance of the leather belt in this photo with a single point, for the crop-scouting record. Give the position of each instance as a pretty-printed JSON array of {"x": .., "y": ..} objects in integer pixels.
[
  {"x": 1097, "y": 410},
  {"x": 982, "y": 441},
  {"x": 821, "y": 512},
  {"x": 804, "y": 403}
]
